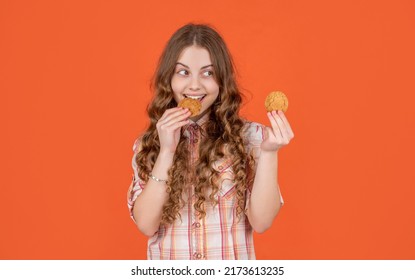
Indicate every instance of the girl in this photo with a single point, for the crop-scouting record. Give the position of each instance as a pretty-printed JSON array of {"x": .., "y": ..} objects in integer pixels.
[{"x": 203, "y": 184}]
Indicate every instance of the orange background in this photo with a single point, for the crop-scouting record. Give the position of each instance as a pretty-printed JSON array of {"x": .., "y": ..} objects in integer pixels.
[{"x": 74, "y": 83}]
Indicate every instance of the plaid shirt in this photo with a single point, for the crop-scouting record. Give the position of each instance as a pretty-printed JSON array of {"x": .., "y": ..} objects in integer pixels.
[{"x": 219, "y": 235}]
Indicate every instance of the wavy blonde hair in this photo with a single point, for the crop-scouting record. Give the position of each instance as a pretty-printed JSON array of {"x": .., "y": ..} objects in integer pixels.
[{"x": 223, "y": 131}]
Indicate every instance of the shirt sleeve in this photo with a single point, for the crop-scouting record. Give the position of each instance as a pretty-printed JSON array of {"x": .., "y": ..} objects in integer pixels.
[
  {"x": 255, "y": 134},
  {"x": 137, "y": 185}
]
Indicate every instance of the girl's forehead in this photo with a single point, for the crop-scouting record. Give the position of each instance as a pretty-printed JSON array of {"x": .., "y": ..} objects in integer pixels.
[{"x": 194, "y": 57}]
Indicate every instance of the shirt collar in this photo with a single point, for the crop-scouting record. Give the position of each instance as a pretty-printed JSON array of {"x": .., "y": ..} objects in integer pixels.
[{"x": 195, "y": 126}]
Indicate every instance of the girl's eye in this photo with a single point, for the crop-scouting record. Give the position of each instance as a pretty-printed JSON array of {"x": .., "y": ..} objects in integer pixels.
[
  {"x": 208, "y": 73},
  {"x": 183, "y": 72}
]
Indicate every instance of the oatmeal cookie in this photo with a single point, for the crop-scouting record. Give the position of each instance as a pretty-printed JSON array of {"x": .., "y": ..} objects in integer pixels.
[
  {"x": 193, "y": 105},
  {"x": 276, "y": 100}
]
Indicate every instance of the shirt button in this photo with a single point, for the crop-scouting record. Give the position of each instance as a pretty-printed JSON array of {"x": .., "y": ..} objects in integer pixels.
[
  {"x": 197, "y": 255},
  {"x": 197, "y": 225},
  {"x": 220, "y": 167},
  {"x": 195, "y": 141}
]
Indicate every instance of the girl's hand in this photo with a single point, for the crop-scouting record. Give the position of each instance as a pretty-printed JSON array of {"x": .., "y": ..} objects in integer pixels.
[
  {"x": 168, "y": 128},
  {"x": 279, "y": 135}
]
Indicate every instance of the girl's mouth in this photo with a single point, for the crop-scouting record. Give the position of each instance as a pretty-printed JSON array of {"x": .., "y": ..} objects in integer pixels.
[{"x": 195, "y": 97}]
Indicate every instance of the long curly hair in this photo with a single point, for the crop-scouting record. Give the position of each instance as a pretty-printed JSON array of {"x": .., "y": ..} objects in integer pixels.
[{"x": 223, "y": 132}]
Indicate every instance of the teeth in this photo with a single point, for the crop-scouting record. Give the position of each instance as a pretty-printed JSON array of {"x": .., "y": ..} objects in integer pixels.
[{"x": 194, "y": 97}]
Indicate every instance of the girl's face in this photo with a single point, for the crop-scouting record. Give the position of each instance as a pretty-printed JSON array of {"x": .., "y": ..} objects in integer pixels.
[{"x": 194, "y": 78}]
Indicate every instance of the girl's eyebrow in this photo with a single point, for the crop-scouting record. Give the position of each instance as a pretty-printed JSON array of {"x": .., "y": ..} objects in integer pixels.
[{"x": 189, "y": 67}]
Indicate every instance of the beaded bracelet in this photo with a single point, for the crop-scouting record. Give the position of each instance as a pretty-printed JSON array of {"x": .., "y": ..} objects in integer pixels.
[{"x": 157, "y": 179}]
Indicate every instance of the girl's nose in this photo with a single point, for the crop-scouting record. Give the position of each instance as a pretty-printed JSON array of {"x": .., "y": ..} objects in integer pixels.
[{"x": 194, "y": 84}]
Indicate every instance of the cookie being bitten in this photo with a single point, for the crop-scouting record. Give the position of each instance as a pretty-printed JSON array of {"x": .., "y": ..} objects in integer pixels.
[
  {"x": 275, "y": 101},
  {"x": 193, "y": 105}
]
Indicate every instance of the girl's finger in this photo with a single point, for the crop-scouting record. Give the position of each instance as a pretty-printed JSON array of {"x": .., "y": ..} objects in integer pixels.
[
  {"x": 274, "y": 125},
  {"x": 170, "y": 111},
  {"x": 180, "y": 124},
  {"x": 176, "y": 119},
  {"x": 269, "y": 133},
  {"x": 281, "y": 125},
  {"x": 287, "y": 124},
  {"x": 167, "y": 113},
  {"x": 172, "y": 114}
]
